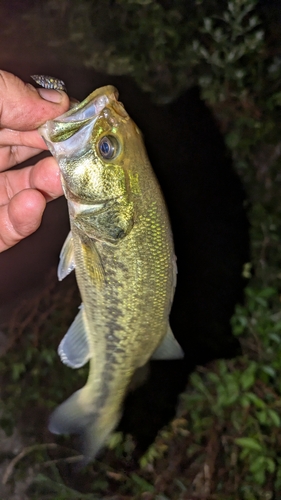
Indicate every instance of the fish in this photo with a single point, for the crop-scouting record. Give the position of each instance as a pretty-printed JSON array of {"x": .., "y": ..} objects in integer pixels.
[{"x": 121, "y": 248}]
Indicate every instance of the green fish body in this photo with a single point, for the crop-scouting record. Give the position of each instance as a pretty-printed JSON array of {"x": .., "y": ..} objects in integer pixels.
[{"x": 121, "y": 248}]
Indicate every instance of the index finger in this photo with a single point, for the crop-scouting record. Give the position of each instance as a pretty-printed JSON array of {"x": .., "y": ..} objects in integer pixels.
[
  {"x": 16, "y": 147},
  {"x": 30, "y": 138}
]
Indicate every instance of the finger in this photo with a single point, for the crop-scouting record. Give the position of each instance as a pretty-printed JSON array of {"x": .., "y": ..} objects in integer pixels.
[
  {"x": 30, "y": 138},
  {"x": 23, "y": 107},
  {"x": 44, "y": 176},
  {"x": 21, "y": 217},
  {"x": 16, "y": 146},
  {"x": 14, "y": 155}
]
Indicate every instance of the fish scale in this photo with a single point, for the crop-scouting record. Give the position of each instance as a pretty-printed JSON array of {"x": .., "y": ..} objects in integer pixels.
[{"x": 121, "y": 247}]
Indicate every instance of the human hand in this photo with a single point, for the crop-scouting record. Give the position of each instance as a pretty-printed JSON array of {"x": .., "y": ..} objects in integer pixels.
[{"x": 25, "y": 192}]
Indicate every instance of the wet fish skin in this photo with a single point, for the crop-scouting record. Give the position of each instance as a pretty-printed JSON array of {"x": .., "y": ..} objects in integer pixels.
[{"x": 121, "y": 247}]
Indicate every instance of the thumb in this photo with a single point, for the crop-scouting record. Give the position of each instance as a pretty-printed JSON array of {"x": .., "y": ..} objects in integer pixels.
[{"x": 22, "y": 107}]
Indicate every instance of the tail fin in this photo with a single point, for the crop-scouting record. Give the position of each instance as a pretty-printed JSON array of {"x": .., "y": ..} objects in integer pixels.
[{"x": 77, "y": 415}]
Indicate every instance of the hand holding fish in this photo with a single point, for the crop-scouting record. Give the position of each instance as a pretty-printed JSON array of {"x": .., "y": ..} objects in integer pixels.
[{"x": 24, "y": 192}]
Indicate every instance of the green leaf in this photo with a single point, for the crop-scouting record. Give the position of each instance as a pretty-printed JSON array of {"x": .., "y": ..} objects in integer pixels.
[
  {"x": 268, "y": 292},
  {"x": 17, "y": 370},
  {"x": 244, "y": 401},
  {"x": 269, "y": 370},
  {"x": 258, "y": 402},
  {"x": 262, "y": 417},
  {"x": 259, "y": 476},
  {"x": 270, "y": 465},
  {"x": 142, "y": 483},
  {"x": 274, "y": 417},
  {"x": 248, "y": 442},
  {"x": 248, "y": 378},
  {"x": 258, "y": 463},
  {"x": 273, "y": 336}
]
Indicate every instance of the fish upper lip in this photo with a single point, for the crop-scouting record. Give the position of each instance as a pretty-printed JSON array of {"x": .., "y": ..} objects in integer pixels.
[{"x": 89, "y": 108}]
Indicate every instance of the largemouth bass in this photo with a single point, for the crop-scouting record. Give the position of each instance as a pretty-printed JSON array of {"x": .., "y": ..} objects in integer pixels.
[{"x": 121, "y": 248}]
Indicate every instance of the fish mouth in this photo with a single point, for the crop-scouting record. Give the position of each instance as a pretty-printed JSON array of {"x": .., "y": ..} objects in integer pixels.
[
  {"x": 90, "y": 107},
  {"x": 60, "y": 133}
]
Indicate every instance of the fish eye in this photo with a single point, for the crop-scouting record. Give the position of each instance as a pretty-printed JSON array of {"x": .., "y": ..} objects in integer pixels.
[{"x": 108, "y": 147}]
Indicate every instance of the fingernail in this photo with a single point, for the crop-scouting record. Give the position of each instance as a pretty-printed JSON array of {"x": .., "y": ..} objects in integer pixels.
[{"x": 51, "y": 95}]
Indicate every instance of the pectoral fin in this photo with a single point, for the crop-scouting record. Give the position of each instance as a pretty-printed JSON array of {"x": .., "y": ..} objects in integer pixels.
[
  {"x": 74, "y": 349},
  {"x": 169, "y": 348},
  {"x": 66, "y": 264},
  {"x": 92, "y": 260}
]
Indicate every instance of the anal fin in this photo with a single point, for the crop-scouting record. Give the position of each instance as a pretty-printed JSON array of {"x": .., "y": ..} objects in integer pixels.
[{"x": 74, "y": 349}]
